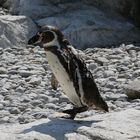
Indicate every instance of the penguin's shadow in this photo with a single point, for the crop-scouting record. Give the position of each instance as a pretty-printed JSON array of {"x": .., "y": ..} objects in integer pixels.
[{"x": 57, "y": 128}]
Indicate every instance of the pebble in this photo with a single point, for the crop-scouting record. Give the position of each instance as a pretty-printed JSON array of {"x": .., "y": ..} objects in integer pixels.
[
  {"x": 92, "y": 66},
  {"x": 108, "y": 73},
  {"x": 14, "y": 110},
  {"x": 25, "y": 89},
  {"x": 1, "y": 106},
  {"x": 25, "y": 73},
  {"x": 3, "y": 70},
  {"x": 35, "y": 81}
]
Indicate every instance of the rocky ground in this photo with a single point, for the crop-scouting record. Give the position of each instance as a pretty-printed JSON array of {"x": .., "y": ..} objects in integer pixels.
[
  {"x": 28, "y": 105},
  {"x": 26, "y": 94}
]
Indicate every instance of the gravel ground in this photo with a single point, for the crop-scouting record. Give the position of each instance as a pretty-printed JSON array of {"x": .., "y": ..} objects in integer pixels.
[{"x": 26, "y": 94}]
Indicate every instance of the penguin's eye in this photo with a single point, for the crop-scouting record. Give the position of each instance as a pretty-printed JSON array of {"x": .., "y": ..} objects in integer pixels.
[{"x": 47, "y": 36}]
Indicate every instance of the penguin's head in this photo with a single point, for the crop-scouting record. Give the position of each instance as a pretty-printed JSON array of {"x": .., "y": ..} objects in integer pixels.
[{"x": 48, "y": 36}]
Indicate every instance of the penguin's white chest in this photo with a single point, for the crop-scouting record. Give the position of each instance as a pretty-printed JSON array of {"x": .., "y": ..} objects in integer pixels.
[{"x": 63, "y": 78}]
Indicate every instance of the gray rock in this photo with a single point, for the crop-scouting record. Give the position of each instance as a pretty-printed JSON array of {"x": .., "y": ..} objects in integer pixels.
[
  {"x": 92, "y": 66},
  {"x": 97, "y": 28},
  {"x": 3, "y": 70},
  {"x": 36, "y": 102},
  {"x": 108, "y": 73},
  {"x": 137, "y": 63},
  {"x": 136, "y": 73},
  {"x": 20, "y": 89},
  {"x": 132, "y": 90},
  {"x": 26, "y": 73},
  {"x": 25, "y": 119},
  {"x": 14, "y": 110},
  {"x": 1, "y": 106},
  {"x": 15, "y": 30},
  {"x": 4, "y": 113},
  {"x": 4, "y": 76},
  {"x": 35, "y": 80}
]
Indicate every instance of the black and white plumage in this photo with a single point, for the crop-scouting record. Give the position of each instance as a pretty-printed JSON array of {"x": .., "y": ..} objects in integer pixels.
[{"x": 70, "y": 70}]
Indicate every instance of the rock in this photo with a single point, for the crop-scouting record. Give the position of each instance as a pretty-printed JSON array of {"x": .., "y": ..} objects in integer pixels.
[
  {"x": 94, "y": 127},
  {"x": 137, "y": 63},
  {"x": 92, "y": 66},
  {"x": 132, "y": 90},
  {"x": 36, "y": 102},
  {"x": 1, "y": 106},
  {"x": 136, "y": 73},
  {"x": 14, "y": 110},
  {"x": 79, "y": 31},
  {"x": 26, "y": 73},
  {"x": 75, "y": 136},
  {"x": 108, "y": 73},
  {"x": 15, "y": 30},
  {"x": 25, "y": 119},
  {"x": 35, "y": 81},
  {"x": 3, "y": 70},
  {"x": 20, "y": 89},
  {"x": 102, "y": 60}
]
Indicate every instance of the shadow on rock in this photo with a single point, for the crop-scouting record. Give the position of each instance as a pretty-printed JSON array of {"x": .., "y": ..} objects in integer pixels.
[{"x": 57, "y": 127}]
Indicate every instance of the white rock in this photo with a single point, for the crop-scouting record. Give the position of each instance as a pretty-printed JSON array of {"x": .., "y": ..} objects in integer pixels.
[
  {"x": 14, "y": 110},
  {"x": 75, "y": 136},
  {"x": 91, "y": 26},
  {"x": 132, "y": 90},
  {"x": 35, "y": 81},
  {"x": 108, "y": 73},
  {"x": 15, "y": 30},
  {"x": 3, "y": 70},
  {"x": 95, "y": 127}
]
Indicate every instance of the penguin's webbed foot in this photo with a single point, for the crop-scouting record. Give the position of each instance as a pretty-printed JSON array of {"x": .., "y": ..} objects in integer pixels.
[{"x": 72, "y": 112}]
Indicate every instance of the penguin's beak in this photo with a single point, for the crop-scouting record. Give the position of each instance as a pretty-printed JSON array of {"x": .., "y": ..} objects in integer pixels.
[{"x": 35, "y": 41}]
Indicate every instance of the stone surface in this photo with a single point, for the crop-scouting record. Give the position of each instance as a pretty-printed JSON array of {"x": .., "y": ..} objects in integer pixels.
[
  {"x": 90, "y": 26},
  {"x": 15, "y": 30},
  {"x": 132, "y": 90},
  {"x": 118, "y": 125}
]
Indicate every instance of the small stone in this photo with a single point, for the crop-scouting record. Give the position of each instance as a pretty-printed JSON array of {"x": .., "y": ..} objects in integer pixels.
[
  {"x": 1, "y": 106},
  {"x": 5, "y": 119},
  {"x": 39, "y": 115},
  {"x": 137, "y": 63},
  {"x": 3, "y": 70},
  {"x": 4, "y": 76},
  {"x": 20, "y": 89},
  {"x": 111, "y": 85},
  {"x": 36, "y": 102},
  {"x": 113, "y": 79},
  {"x": 102, "y": 60},
  {"x": 51, "y": 106},
  {"x": 92, "y": 66},
  {"x": 136, "y": 73},
  {"x": 25, "y": 73},
  {"x": 35, "y": 81},
  {"x": 4, "y": 113},
  {"x": 14, "y": 110},
  {"x": 12, "y": 72},
  {"x": 25, "y": 119},
  {"x": 108, "y": 73}
]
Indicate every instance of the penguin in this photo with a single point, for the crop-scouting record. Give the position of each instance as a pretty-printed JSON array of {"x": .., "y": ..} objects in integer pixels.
[{"x": 70, "y": 70}]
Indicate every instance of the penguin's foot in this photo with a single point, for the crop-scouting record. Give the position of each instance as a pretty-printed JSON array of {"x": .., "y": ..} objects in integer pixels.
[{"x": 72, "y": 112}]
